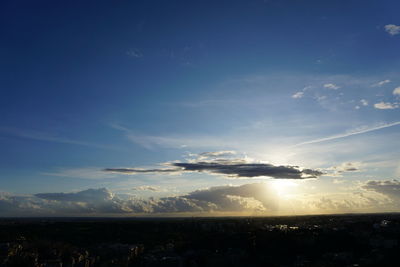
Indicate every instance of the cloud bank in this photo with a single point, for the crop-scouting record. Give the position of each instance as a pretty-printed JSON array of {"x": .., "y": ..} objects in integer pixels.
[
  {"x": 250, "y": 199},
  {"x": 245, "y": 198}
]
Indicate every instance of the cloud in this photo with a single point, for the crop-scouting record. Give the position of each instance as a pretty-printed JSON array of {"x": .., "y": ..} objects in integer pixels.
[
  {"x": 234, "y": 168},
  {"x": 385, "y": 105},
  {"x": 381, "y": 83},
  {"x": 222, "y": 153},
  {"x": 298, "y": 95},
  {"x": 331, "y": 86},
  {"x": 244, "y": 198},
  {"x": 396, "y": 91},
  {"x": 147, "y": 188},
  {"x": 91, "y": 201},
  {"x": 392, "y": 29},
  {"x": 150, "y": 142},
  {"x": 47, "y": 137},
  {"x": 135, "y": 53},
  {"x": 254, "y": 198},
  {"x": 345, "y": 167},
  {"x": 83, "y": 173},
  {"x": 390, "y": 188},
  {"x": 140, "y": 171},
  {"x": 350, "y": 133},
  {"x": 237, "y": 198},
  {"x": 97, "y": 195},
  {"x": 249, "y": 170},
  {"x": 364, "y": 102}
]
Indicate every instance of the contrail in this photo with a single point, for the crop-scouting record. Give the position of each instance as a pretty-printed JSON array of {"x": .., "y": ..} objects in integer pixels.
[{"x": 338, "y": 136}]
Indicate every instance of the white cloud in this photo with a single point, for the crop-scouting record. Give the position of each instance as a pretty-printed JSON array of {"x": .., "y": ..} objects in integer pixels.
[
  {"x": 385, "y": 105},
  {"x": 350, "y": 133},
  {"x": 331, "y": 86},
  {"x": 392, "y": 29},
  {"x": 147, "y": 188},
  {"x": 381, "y": 83},
  {"x": 396, "y": 91},
  {"x": 298, "y": 95},
  {"x": 345, "y": 167}
]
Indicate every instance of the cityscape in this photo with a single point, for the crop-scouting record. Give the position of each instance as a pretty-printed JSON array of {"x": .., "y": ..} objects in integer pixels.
[{"x": 325, "y": 240}]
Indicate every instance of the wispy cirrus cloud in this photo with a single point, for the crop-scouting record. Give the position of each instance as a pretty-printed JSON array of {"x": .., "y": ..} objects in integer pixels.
[
  {"x": 381, "y": 83},
  {"x": 134, "y": 53},
  {"x": 48, "y": 137},
  {"x": 331, "y": 86},
  {"x": 298, "y": 95},
  {"x": 82, "y": 173},
  {"x": 350, "y": 133}
]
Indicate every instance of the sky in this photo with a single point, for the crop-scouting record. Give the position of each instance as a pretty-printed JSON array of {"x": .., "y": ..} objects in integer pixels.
[{"x": 205, "y": 108}]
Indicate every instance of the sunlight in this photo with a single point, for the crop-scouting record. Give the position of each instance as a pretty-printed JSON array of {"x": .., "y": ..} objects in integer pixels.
[{"x": 283, "y": 188}]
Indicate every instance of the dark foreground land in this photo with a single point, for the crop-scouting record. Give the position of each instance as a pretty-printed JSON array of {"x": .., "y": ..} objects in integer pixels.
[{"x": 341, "y": 240}]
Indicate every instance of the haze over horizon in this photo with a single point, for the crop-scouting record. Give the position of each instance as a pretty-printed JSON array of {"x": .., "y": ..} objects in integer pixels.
[{"x": 206, "y": 108}]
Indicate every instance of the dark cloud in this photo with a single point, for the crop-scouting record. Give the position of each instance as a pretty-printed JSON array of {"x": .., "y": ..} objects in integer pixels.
[
  {"x": 230, "y": 168},
  {"x": 347, "y": 167},
  {"x": 390, "y": 188},
  {"x": 250, "y": 170}
]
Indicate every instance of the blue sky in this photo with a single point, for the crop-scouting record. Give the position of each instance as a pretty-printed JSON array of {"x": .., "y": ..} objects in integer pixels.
[{"x": 141, "y": 85}]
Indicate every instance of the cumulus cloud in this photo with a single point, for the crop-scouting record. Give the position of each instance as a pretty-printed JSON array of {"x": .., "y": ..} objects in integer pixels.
[
  {"x": 331, "y": 86},
  {"x": 392, "y": 29},
  {"x": 364, "y": 102},
  {"x": 254, "y": 198},
  {"x": 245, "y": 198},
  {"x": 381, "y": 83},
  {"x": 298, "y": 95},
  {"x": 396, "y": 91},
  {"x": 390, "y": 188},
  {"x": 101, "y": 194},
  {"x": 385, "y": 105},
  {"x": 344, "y": 167}
]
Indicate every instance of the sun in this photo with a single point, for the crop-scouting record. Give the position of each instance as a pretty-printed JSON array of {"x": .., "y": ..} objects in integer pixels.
[{"x": 282, "y": 187}]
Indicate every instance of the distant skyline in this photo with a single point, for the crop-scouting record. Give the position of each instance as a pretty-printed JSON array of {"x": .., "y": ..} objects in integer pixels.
[{"x": 205, "y": 108}]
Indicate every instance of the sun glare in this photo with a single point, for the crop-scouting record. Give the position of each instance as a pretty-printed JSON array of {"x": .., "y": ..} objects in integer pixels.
[{"x": 283, "y": 188}]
